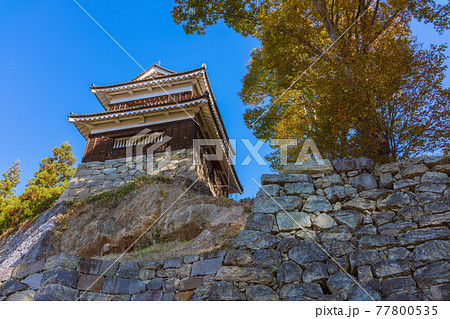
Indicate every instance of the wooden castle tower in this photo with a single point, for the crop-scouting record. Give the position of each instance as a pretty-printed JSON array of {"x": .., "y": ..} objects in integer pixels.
[{"x": 180, "y": 105}]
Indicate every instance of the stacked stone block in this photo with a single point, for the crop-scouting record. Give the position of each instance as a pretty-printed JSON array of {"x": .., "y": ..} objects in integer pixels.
[
  {"x": 96, "y": 177},
  {"x": 356, "y": 231}
]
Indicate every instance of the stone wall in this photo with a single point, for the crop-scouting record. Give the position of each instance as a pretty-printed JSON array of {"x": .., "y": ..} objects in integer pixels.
[
  {"x": 95, "y": 177},
  {"x": 356, "y": 232}
]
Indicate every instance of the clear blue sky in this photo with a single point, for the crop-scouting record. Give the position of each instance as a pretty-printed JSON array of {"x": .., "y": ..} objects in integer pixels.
[{"x": 52, "y": 52}]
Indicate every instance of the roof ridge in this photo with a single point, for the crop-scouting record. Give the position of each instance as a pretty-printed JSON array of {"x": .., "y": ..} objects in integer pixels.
[{"x": 93, "y": 86}]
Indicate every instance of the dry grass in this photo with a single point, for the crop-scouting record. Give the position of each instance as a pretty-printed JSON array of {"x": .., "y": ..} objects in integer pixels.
[{"x": 175, "y": 249}]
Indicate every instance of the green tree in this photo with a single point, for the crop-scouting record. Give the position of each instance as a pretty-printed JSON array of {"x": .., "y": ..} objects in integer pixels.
[
  {"x": 50, "y": 180},
  {"x": 10, "y": 179},
  {"x": 42, "y": 190},
  {"x": 348, "y": 74}
]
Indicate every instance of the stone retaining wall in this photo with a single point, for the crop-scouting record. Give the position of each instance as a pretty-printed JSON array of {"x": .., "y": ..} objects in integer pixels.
[
  {"x": 357, "y": 232},
  {"x": 95, "y": 177}
]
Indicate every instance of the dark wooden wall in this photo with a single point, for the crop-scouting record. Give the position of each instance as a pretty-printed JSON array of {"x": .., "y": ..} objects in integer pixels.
[{"x": 99, "y": 147}]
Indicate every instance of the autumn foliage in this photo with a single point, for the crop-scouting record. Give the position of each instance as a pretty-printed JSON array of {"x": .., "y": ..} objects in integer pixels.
[{"x": 348, "y": 74}]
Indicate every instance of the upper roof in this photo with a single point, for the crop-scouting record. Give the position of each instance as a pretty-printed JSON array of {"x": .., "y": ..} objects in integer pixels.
[{"x": 154, "y": 71}]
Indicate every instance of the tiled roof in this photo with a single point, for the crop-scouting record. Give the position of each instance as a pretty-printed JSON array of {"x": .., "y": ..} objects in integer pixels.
[
  {"x": 139, "y": 107},
  {"x": 153, "y": 66},
  {"x": 175, "y": 74}
]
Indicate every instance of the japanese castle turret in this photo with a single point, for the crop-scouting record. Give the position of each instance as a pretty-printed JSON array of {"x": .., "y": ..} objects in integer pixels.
[{"x": 161, "y": 122}]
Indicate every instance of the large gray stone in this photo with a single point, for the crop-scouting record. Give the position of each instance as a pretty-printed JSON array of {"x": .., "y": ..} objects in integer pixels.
[
  {"x": 33, "y": 281},
  {"x": 60, "y": 276},
  {"x": 435, "y": 177},
  {"x": 339, "y": 248},
  {"x": 25, "y": 295},
  {"x": 430, "y": 187},
  {"x": 128, "y": 269},
  {"x": 398, "y": 253},
  {"x": 293, "y": 221},
  {"x": 122, "y": 286},
  {"x": 324, "y": 221},
  {"x": 365, "y": 257},
  {"x": 62, "y": 260},
  {"x": 155, "y": 284},
  {"x": 238, "y": 257},
  {"x": 206, "y": 267},
  {"x": 432, "y": 251},
  {"x": 398, "y": 286},
  {"x": 387, "y": 168},
  {"x": 108, "y": 268},
  {"x": 340, "y": 281},
  {"x": 299, "y": 291},
  {"x": 254, "y": 240},
  {"x": 317, "y": 204},
  {"x": 329, "y": 180},
  {"x": 271, "y": 205},
  {"x": 431, "y": 161},
  {"x": 360, "y": 204},
  {"x": 190, "y": 283},
  {"x": 440, "y": 292},
  {"x": 335, "y": 233},
  {"x": 435, "y": 220},
  {"x": 396, "y": 228},
  {"x": 269, "y": 190},
  {"x": 287, "y": 243},
  {"x": 436, "y": 208},
  {"x": 407, "y": 184},
  {"x": 433, "y": 274},
  {"x": 341, "y": 193},
  {"x": 366, "y": 230},
  {"x": 394, "y": 201},
  {"x": 89, "y": 266},
  {"x": 224, "y": 291},
  {"x": 349, "y": 218},
  {"x": 55, "y": 292},
  {"x": 245, "y": 274},
  {"x": 173, "y": 263},
  {"x": 442, "y": 168},
  {"x": 306, "y": 253},
  {"x": 23, "y": 270},
  {"x": 410, "y": 212},
  {"x": 386, "y": 180},
  {"x": 289, "y": 272},
  {"x": 377, "y": 241},
  {"x": 281, "y": 179},
  {"x": 268, "y": 259},
  {"x": 316, "y": 273},
  {"x": 363, "y": 182},
  {"x": 390, "y": 268},
  {"x": 427, "y": 197},
  {"x": 260, "y": 222},
  {"x": 11, "y": 286},
  {"x": 261, "y": 293},
  {"x": 418, "y": 236},
  {"x": 376, "y": 194},
  {"x": 352, "y": 164},
  {"x": 414, "y": 170},
  {"x": 381, "y": 218},
  {"x": 303, "y": 189},
  {"x": 308, "y": 167},
  {"x": 363, "y": 292}
]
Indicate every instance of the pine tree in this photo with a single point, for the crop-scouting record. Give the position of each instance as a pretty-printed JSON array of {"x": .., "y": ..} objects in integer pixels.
[{"x": 9, "y": 181}]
